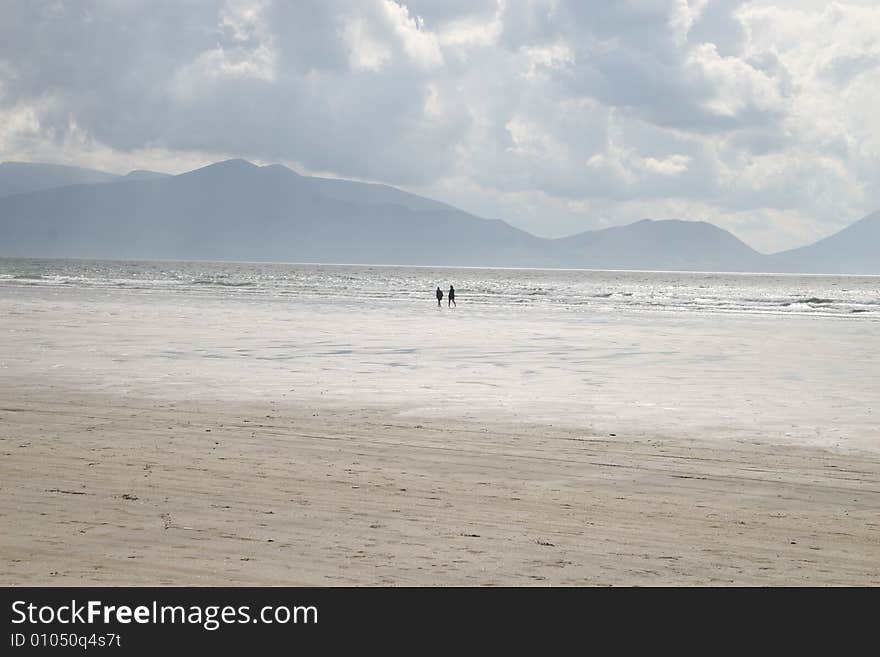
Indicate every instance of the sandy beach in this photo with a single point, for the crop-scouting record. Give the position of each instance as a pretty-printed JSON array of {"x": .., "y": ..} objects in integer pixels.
[
  {"x": 99, "y": 489},
  {"x": 159, "y": 438}
]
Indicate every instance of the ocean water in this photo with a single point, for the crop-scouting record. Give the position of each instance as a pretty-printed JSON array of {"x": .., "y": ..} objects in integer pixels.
[
  {"x": 732, "y": 357},
  {"x": 535, "y": 290}
]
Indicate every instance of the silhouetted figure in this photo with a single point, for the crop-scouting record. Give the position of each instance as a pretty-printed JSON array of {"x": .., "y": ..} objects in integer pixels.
[
  {"x": 451, "y": 301},
  {"x": 439, "y": 296}
]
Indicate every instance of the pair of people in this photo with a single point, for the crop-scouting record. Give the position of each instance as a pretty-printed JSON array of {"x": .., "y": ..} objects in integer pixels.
[{"x": 451, "y": 297}]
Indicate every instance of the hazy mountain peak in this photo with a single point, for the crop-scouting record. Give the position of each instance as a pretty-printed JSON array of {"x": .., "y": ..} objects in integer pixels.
[
  {"x": 144, "y": 174},
  {"x": 279, "y": 167},
  {"x": 223, "y": 173},
  {"x": 873, "y": 218},
  {"x": 853, "y": 250},
  {"x": 235, "y": 164},
  {"x": 664, "y": 244}
]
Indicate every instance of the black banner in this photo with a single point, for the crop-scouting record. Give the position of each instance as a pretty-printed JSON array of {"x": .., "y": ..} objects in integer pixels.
[{"x": 150, "y": 620}]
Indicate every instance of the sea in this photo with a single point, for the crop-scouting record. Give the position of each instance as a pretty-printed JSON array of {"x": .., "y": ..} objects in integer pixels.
[
  {"x": 625, "y": 355},
  {"x": 526, "y": 290}
]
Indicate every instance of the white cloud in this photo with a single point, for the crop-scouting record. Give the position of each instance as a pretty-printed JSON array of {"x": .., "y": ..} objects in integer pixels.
[
  {"x": 683, "y": 16},
  {"x": 737, "y": 85},
  {"x": 368, "y": 53},
  {"x": 670, "y": 166},
  {"x": 553, "y": 56},
  {"x": 419, "y": 44}
]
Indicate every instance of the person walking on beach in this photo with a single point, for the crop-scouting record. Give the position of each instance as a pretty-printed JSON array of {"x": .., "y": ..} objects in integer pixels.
[
  {"x": 439, "y": 296},
  {"x": 451, "y": 301}
]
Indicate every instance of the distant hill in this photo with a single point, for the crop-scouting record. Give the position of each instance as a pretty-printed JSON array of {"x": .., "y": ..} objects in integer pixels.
[
  {"x": 663, "y": 245},
  {"x": 853, "y": 250},
  {"x": 22, "y": 177},
  {"x": 235, "y": 210},
  {"x": 141, "y": 174}
]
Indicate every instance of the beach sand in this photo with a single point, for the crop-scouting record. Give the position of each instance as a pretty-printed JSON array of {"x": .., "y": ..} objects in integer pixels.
[
  {"x": 113, "y": 489},
  {"x": 152, "y": 437}
]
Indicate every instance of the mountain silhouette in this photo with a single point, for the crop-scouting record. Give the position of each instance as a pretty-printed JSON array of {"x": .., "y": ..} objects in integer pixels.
[
  {"x": 853, "y": 250},
  {"x": 236, "y": 210}
]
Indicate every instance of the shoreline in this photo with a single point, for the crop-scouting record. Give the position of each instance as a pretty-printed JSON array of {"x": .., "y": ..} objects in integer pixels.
[{"x": 104, "y": 489}]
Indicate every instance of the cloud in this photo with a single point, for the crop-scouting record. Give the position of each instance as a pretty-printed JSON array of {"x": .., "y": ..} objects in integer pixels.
[{"x": 557, "y": 115}]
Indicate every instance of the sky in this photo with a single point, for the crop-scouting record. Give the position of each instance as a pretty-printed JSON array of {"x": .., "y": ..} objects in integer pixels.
[{"x": 558, "y": 117}]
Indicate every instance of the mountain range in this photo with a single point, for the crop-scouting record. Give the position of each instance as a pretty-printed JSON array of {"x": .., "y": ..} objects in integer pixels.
[{"x": 235, "y": 210}]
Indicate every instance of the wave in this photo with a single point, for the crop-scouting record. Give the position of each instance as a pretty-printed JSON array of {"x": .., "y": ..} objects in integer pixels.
[
  {"x": 205, "y": 281},
  {"x": 812, "y": 301},
  {"x": 488, "y": 289}
]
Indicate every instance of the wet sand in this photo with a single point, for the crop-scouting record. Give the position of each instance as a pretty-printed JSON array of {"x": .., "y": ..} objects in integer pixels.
[{"x": 104, "y": 488}]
